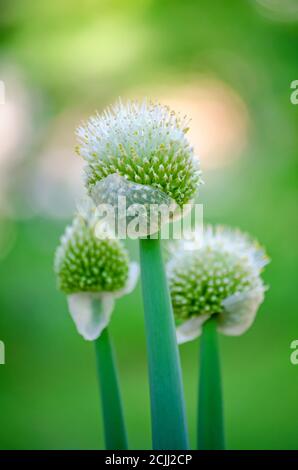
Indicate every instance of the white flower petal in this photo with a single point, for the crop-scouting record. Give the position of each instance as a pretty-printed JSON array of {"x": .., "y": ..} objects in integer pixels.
[
  {"x": 131, "y": 282},
  {"x": 190, "y": 329},
  {"x": 91, "y": 312},
  {"x": 240, "y": 311}
]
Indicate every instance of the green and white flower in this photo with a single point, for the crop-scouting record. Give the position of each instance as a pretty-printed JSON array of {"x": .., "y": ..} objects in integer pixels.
[
  {"x": 92, "y": 272},
  {"x": 140, "y": 151},
  {"x": 220, "y": 277}
]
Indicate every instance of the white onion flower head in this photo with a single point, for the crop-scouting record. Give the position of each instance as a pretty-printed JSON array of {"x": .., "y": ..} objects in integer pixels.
[
  {"x": 139, "y": 150},
  {"x": 92, "y": 272},
  {"x": 220, "y": 277}
]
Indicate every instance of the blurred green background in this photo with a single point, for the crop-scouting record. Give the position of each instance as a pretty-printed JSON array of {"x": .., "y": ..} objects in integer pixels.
[{"x": 229, "y": 66}]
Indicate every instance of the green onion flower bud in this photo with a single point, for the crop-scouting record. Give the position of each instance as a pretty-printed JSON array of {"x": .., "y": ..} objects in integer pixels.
[
  {"x": 90, "y": 268},
  {"x": 139, "y": 151},
  {"x": 220, "y": 277}
]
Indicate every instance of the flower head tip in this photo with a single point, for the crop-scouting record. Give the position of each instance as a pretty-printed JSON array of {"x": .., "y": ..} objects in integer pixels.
[{"x": 146, "y": 144}]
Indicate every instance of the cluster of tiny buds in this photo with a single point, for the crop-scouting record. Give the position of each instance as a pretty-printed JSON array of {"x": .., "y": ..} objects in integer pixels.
[
  {"x": 146, "y": 144},
  {"x": 200, "y": 280},
  {"x": 84, "y": 263}
]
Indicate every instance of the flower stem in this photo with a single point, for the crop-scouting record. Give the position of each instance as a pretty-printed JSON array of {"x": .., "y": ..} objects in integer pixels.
[
  {"x": 114, "y": 426},
  {"x": 210, "y": 409},
  {"x": 166, "y": 391}
]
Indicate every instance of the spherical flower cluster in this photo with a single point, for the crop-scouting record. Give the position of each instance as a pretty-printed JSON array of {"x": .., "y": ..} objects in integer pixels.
[
  {"x": 84, "y": 263},
  {"x": 144, "y": 143},
  {"x": 93, "y": 272},
  {"x": 221, "y": 278}
]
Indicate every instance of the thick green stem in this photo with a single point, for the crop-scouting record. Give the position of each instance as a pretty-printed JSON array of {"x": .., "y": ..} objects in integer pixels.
[
  {"x": 166, "y": 391},
  {"x": 114, "y": 426},
  {"x": 210, "y": 409}
]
